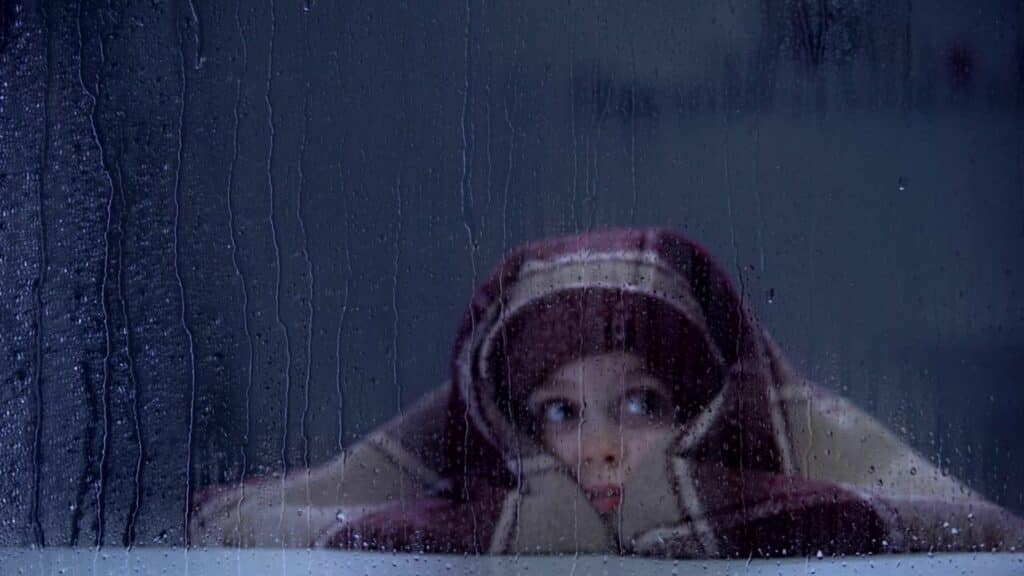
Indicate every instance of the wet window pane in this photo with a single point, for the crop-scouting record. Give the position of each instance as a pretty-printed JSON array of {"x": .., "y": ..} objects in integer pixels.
[{"x": 673, "y": 280}]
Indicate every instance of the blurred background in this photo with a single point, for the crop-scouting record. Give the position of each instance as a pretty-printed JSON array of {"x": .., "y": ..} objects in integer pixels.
[{"x": 237, "y": 236}]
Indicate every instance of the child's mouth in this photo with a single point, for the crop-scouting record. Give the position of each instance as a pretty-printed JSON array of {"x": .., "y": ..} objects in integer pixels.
[{"x": 604, "y": 497}]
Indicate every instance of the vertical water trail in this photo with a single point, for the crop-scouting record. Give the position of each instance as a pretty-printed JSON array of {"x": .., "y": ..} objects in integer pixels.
[
  {"x": 509, "y": 115},
  {"x": 509, "y": 122},
  {"x": 576, "y": 225},
  {"x": 466, "y": 195},
  {"x": 632, "y": 130},
  {"x": 101, "y": 487},
  {"x": 732, "y": 228},
  {"x": 83, "y": 371},
  {"x": 181, "y": 286},
  {"x": 466, "y": 148},
  {"x": 633, "y": 218},
  {"x": 757, "y": 195},
  {"x": 810, "y": 314},
  {"x": 603, "y": 95},
  {"x": 277, "y": 258},
  {"x": 304, "y": 424},
  {"x": 590, "y": 84},
  {"x": 349, "y": 209},
  {"x": 244, "y": 449},
  {"x": 394, "y": 326},
  {"x": 620, "y": 339},
  {"x": 488, "y": 81},
  {"x": 732, "y": 222},
  {"x": 128, "y": 540},
  {"x": 489, "y": 163},
  {"x": 39, "y": 535},
  {"x": 572, "y": 120},
  {"x": 812, "y": 237},
  {"x": 93, "y": 98},
  {"x": 579, "y": 441},
  {"x": 742, "y": 294},
  {"x": 576, "y": 228},
  {"x": 197, "y": 36},
  {"x": 338, "y": 341}
]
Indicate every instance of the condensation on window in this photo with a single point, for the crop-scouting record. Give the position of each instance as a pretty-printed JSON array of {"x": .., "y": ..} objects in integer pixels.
[{"x": 676, "y": 280}]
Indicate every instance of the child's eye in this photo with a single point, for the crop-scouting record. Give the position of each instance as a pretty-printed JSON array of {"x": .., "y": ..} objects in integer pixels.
[
  {"x": 645, "y": 404},
  {"x": 558, "y": 411}
]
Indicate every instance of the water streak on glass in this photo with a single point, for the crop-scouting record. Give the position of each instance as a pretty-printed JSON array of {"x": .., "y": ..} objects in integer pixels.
[
  {"x": 394, "y": 318},
  {"x": 338, "y": 382},
  {"x": 572, "y": 124},
  {"x": 729, "y": 213},
  {"x": 632, "y": 128},
  {"x": 576, "y": 229},
  {"x": 128, "y": 539},
  {"x": 466, "y": 131},
  {"x": 92, "y": 94},
  {"x": 197, "y": 35},
  {"x": 602, "y": 94},
  {"x": 466, "y": 205},
  {"x": 38, "y": 534},
  {"x": 85, "y": 479},
  {"x": 232, "y": 227},
  {"x": 490, "y": 162},
  {"x": 181, "y": 287},
  {"x": 277, "y": 256},
  {"x": 509, "y": 114},
  {"x": 755, "y": 160},
  {"x": 309, "y": 303},
  {"x": 349, "y": 201}
]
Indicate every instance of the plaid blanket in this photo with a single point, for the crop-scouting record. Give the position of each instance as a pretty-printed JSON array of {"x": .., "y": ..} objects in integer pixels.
[{"x": 764, "y": 464}]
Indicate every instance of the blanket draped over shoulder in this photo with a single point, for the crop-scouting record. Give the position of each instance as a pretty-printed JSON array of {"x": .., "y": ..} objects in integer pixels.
[{"x": 765, "y": 463}]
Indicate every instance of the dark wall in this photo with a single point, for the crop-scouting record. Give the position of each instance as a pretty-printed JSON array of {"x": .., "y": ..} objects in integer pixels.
[{"x": 235, "y": 236}]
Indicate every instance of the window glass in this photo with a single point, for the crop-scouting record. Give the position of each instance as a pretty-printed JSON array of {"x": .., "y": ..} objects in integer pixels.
[{"x": 683, "y": 280}]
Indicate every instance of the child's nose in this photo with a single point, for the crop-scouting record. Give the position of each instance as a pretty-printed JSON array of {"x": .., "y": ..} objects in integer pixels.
[{"x": 602, "y": 447}]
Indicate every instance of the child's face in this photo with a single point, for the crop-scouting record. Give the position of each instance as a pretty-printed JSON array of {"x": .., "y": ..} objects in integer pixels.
[{"x": 600, "y": 415}]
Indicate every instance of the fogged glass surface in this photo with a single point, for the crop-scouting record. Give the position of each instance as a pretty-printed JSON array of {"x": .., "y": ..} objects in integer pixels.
[{"x": 686, "y": 280}]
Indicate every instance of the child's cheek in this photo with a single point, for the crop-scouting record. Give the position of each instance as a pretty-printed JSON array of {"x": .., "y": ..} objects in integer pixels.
[
  {"x": 639, "y": 444},
  {"x": 563, "y": 446}
]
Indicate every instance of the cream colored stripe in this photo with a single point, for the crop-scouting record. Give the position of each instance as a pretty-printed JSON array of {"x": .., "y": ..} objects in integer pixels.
[
  {"x": 639, "y": 270},
  {"x": 635, "y": 272},
  {"x": 696, "y": 431},
  {"x": 532, "y": 465},
  {"x": 779, "y": 426},
  {"x": 661, "y": 536},
  {"x": 540, "y": 265},
  {"x": 405, "y": 460},
  {"x": 501, "y": 539},
  {"x": 692, "y": 504}
]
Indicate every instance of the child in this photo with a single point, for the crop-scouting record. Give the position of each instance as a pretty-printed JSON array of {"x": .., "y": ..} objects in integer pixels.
[
  {"x": 600, "y": 416},
  {"x": 610, "y": 393}
]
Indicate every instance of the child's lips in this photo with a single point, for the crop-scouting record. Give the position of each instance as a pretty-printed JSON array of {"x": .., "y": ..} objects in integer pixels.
[{"x": 604, "y": 497}]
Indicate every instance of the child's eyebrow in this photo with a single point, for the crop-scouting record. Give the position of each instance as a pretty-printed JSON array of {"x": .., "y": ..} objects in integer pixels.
[
  {"x": 555, "y": 387},
  {"x": 648, "y": 381}
]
